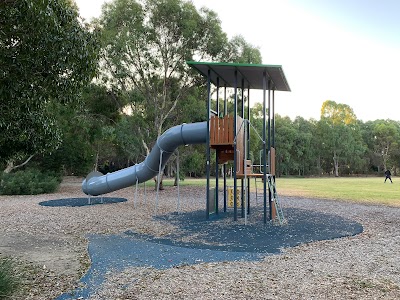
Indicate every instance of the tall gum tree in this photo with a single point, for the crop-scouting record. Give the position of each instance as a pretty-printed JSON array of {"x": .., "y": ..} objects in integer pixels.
[
  {"x": 338, "y": 135},
  {"x": 386, "y": 134},
  {"x": 46, "y": 56},
  {"x": 145, "y": 46}
]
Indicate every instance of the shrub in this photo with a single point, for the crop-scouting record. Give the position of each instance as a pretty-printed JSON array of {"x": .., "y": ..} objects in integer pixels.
[
  {"x": 29, "y": 182},
  {"x": 8, "y": 281}
]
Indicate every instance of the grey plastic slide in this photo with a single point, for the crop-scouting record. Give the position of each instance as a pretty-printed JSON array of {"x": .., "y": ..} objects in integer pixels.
[{"x": 97, "y": 184}]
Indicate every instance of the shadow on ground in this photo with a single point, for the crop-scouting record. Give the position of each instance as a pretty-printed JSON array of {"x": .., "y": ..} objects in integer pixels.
[
  {"x": 73, "y": 202},
  {"x": 198, "y": 240},
  {"x": 223, "y": 234}
]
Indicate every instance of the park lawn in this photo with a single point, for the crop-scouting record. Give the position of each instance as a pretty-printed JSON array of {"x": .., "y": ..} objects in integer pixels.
[{"x": 370, "y": 190}]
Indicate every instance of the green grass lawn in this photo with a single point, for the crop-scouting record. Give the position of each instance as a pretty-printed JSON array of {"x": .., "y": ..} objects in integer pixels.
[
  {"x": 358, "y": 189},
  {"x": 370, "y": 190}
]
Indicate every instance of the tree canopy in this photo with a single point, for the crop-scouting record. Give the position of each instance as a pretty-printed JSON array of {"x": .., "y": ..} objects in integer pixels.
[
  {"x": 143, "y": 87},
  {"x": 145, "y": 46},
  {"x": 46, "y": 55}
]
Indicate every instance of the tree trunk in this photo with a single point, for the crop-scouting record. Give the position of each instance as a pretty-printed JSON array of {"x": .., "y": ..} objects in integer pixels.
[
  {"x": 177, "y": 170},
  {"x": 10, "y": 165},
  {"x": 96, "y": 163},
  {"x": 161, "y": 182},
  {"x": 385, "y": 157},
  {"x": 319, "y": 166},
  {"x": 336, "y": 165}
]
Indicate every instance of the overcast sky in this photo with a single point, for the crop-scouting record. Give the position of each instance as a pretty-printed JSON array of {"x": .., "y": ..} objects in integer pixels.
[{"x": 347, "y": 51}]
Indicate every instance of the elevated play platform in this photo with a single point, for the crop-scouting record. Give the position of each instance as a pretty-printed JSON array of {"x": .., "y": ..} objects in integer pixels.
[{"x": 229, "y": 134}]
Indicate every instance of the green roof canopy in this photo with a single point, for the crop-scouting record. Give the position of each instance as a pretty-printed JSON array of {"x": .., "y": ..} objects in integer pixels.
[{"x": 252, "y": 74}]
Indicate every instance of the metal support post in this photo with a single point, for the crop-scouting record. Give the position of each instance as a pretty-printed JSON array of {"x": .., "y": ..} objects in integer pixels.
[
  {"x": 245, "y": 178},
  {"x": 234, "y": 150},
  {"x": 208, "y": 154},
  {"x": 136, "y": 192},
  {"x": 264, "y": 154},
  {"x": 177, "y": 181},
  {"x": 269, "y": 147},
  {"x": 244, "y": 154},
  {"x": 158, "y": 182},
  {"x": 248, "y": 146},
  {"x": 145, "y": 192},
  {"x": 216, "y": 158},
  {"x": 224, "y": 166}
]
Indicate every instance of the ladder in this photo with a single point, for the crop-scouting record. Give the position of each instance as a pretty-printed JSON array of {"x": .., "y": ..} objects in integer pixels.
[
  {"x": 275, "y": 201},
  {"x": 279, "y": 217}
]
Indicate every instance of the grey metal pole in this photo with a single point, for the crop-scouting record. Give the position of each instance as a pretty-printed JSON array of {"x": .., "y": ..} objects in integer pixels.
[
  {"x": 245, "y": 187},
  {"x": 273, "y": 118},
  {"x": 269, "y": 148},
  {"x": 136, "y": 191},
  {"x": 216, "y": 158},
  {"x": 244, "y": 156},
  {"x": 248, "y": 147},
  {"x": 145, "y": 194},
  {"x": 264, "y": 155},
  {"x": 208, "y": 152},
  {"x": 158, "y": 182},
  {"x": 224, "y": 166},
  {"x": 234, "y": 149}
]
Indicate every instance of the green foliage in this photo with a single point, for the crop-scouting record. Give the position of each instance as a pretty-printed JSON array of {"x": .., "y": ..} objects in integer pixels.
[
  {"x": 240, "y": 51},
  {"x": 29, "y": 182},
  {"x": 128, "y": 137},
  {"x": 338, "y": 113},
  {"x": 46, "y": 55},
  {"x": 8, "y": 280},
  {"x": 386, "y": 144},
  {"x": 341, "y": 142},
  {"x": 102, "y": 104},
  {"x": 193, "y": 163},
  {"x": 145, "y": 46}
]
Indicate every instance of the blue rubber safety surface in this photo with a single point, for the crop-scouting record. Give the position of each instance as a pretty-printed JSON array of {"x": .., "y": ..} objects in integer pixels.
[
  {"x": 72, "y": 202},
  {"x": 117, "y": 252},
  {"x": 217, "y": 239}
]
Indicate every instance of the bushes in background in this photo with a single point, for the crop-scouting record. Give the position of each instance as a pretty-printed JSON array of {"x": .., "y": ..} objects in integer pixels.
[{"x": 29, "y": 182}]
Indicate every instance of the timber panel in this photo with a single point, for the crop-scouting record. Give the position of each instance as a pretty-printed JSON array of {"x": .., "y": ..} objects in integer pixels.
[
  {"x": 222, "y": 139},
  {"x": 272, "y": 161},
  {"x": 221, "y": 131}
]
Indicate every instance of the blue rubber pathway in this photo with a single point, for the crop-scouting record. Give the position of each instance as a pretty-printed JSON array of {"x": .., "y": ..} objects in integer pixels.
[{"x": 219, "y": 239}]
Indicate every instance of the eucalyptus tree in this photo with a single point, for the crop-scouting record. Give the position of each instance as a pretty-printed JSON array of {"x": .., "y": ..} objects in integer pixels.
[
  {"x": 46, "y": 55},
  {"x": 386, "y": 136},
  {"x": 372, "y": 159},
  {"x": 286, "y": 135},
  {"x": 145, "y": 46},
  {"x": 240, "y": 51},
  {"x": 339, "y": 135},
  {"x": 304, "y": 154}
]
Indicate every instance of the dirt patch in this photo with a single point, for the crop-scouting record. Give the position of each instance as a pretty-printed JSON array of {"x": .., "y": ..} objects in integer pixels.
[{"x": 46, "y": 251}]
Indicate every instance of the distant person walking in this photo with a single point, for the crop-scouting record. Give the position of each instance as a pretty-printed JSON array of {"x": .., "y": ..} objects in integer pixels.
[{"x": 388, "y": 176}]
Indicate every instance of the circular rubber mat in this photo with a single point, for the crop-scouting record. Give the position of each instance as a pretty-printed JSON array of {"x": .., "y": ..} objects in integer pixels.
[{"x": 72, "y": 202}]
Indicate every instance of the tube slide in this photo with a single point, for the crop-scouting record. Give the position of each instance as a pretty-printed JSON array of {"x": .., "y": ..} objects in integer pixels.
[{"x": 96, "y": 184}]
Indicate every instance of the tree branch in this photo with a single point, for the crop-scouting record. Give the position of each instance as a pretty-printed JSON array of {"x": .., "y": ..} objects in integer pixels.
[{"x": 10, "y": 164}]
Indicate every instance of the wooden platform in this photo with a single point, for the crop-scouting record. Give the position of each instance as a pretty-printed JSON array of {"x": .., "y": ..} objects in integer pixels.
[
  {"x": 251, "y": 175},
  {"x": 222, "y": 131},
  {"x": 223, "y": 138}
]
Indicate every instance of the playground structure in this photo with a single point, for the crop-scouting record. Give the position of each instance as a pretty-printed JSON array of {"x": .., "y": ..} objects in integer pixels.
[{"x": 228, "y": 135}]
